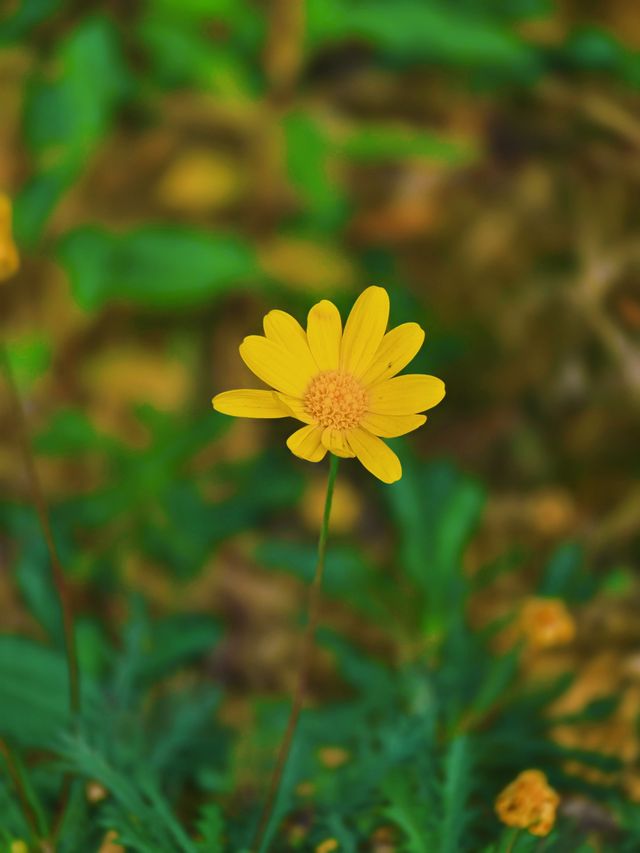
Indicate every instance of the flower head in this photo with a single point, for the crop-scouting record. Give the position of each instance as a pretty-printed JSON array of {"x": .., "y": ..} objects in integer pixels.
[
  {"x": 9, "y": 259},
  {"x": 341, "y": 384},
  {"x": 327, "y": 846},
  {"x": 546, "y": 622},
  {"x": 529, "y": 802}
]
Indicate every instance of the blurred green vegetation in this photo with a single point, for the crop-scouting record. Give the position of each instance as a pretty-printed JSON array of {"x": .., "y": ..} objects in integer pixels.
[{"x": 178, "y": 167}]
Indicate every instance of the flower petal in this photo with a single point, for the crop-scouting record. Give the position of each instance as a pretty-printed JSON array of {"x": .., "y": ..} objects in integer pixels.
[
  {"x": 335, "y": 441},
  {"x": 375, "y": 455},
  {"x": 324, "y": 333},
  {"x": 364, "y": 330},
  {"x": 296, "y": 408},
  {"x": 406, "y": 395},
  {"x": 307, "y": 444},
  {"x": 283, "y": 329},
  {"x": 275, "y": 366},
  {"x": 391, "y": 426},
  {"x": 396, "y": 350},
  {"x": 249, "y": 403}
]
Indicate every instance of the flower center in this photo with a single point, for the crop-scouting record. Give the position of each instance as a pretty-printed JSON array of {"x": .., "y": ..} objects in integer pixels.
[{"x": 336, "y": 399}]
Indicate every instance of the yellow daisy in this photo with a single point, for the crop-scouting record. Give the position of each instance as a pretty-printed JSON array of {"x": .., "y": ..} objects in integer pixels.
[{"x": 341, "y": 384}]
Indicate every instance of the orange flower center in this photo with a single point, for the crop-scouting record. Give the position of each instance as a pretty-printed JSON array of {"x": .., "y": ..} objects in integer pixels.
[{"x": 336, "y": 399}]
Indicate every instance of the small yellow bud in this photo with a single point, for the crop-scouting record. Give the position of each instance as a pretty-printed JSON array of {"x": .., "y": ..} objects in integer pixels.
[
  {"x": 327, "y": 846},
  {"x": 546, "y": 622},
  {"x": 528, "y": 802},
  {"x": 333, "y": 757},
  {"x": 9, "y": 258}
]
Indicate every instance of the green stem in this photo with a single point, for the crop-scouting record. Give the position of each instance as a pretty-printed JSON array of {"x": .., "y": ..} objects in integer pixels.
[
  {"x": 306, "y": 654},
  {"x": 15, "y": 775},
  {"x": 59, "y": 579}
]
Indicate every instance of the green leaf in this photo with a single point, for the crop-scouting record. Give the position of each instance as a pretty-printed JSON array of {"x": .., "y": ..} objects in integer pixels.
[
  {"x": 455, "y": 795},
  {"x": 565, "y": 575},
  {"x": 74, "y": 109},
  {"x": 157, "y": 267},
  {"x": 381, "y": 142},
  {"x": 422, "y": 30},
  {"x": 436, "y": 509},
  {"x": 308, "y": 153},
  {"x": 26, "y": 15},
  {"x": 34, "y": 693},
  {"x": 210, "y": 829},
  {"x": 30, "y": 359}
]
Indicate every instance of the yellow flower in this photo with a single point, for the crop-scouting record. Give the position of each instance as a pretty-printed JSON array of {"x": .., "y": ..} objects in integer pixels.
[
  {"x": 529, "y": 802},
  {"x": 327, "y": 846},
  {"x": 546, "y": 622},
  {"x": 18, "y": 846},
  {"x": 9, "y": 260},
  {"x": 341, "y": 385},
  {"x": 333, "y": 756}
]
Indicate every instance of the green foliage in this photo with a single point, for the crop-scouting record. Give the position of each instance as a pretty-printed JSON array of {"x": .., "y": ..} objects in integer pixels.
[
  {"x": 432, "y": 720},
  {"x": 154, "y": 267}
]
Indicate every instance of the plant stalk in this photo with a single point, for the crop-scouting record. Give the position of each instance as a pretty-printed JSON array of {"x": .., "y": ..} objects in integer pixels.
[
  {"x": 59, "y": 579},
  {"x": 306, "y": 654}
]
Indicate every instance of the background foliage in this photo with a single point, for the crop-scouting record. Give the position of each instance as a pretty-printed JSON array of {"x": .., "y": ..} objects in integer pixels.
[{"x": 179, "y": 167}]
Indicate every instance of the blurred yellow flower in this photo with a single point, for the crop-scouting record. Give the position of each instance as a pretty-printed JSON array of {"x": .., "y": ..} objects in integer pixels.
[
  {"x": 529, "y": 802},
  {"x": 333, "y": 756},
  {"x": 346, "y": 507},
  {"x": 341, "y": 385},
  {"x": 95, "y": 792},
  {"x": 546, "y": 622},
  {"x": 327, "y": 846},
  {"x": 9, "y": 259},
  {"x": 18, "y": 846},
  {"x": 110, "y": 843}
]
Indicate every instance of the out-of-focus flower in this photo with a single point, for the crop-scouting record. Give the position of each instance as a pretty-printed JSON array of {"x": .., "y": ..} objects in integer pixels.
[
  {"x": 201, "y": 181},
  {"x": 327, "y": 846},
  {"x": 546, "y": 622},
  {"x": 305, "y": 265},
  {"x": 305, "y": 789},
  {"x": 9, "y": 258},
  {"x": 333, "y": 757},
  {"x": 95, "y": 792},
  {"x": 110, "y": 843},
  {"x": 529, "y": 802},
  {"x": 342, "y": 386},
  {"x": 383, "y": 840},
  {"x": 345, "y": 508},
  {"x": 18, "y": 846}
]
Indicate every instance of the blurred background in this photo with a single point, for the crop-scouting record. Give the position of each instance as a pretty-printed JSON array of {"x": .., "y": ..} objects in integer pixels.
[{"x": 178, "y": 168}]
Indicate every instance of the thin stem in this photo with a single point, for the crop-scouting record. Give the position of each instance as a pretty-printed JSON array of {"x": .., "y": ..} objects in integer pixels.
[
  {"x": 37, "y": 496},
  {"x": 13, "y": 771},
  {"x": 306, "y": 654}
]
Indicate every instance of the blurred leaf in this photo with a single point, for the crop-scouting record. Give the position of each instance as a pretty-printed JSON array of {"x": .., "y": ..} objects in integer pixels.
[
  {"x": 176, "y": 641},
  {"x": 24, "y": 16},
  {"x": 425, "y": 30},
  {"x": 308, "y": 152},
  {"x": 74, "y": 109},
  {"x": 456, "y": 790},
  {"x": 157, "y": 267},
  {"x": 436, "y": 509},
  {"x": 30, "y": 358},
  {"x": 34, "y": 692},
  {"x": 564, "y": 575},
  {"x": 347, "y": 573},
  {"x": 66, "y": 116},
  {"x": 210, "y": 827},
  {"x": 384, "y": 142}
]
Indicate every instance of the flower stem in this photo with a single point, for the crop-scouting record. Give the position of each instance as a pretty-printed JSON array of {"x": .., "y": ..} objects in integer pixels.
[
  {"x": 13, "y": 771},
  {"x": 59, "y": 579},
  {"x": 308, "y": 645}
]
